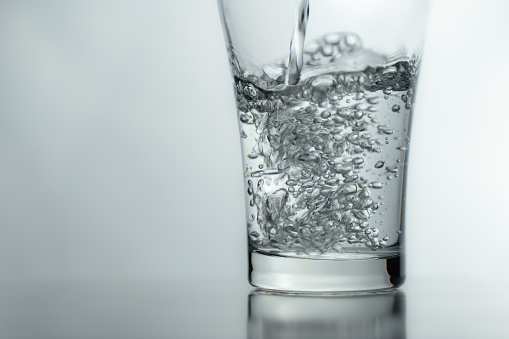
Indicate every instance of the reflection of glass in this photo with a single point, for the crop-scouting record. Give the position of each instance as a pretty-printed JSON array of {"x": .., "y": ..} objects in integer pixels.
[
  {"x": 325, "y": 93},
  {"x": 347, "y": 316}
]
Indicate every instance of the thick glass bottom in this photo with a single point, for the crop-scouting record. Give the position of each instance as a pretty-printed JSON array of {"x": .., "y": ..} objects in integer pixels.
[{"x": 312, "y": 275}]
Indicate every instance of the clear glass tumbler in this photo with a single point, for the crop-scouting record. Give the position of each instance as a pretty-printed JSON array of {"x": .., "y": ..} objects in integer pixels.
[{"x": 325, "y": 95}]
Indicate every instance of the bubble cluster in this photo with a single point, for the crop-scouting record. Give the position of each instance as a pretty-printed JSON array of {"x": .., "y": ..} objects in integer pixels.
[
  {"x": 314, "y": 140},
  {"x": 331, "y": 46}
]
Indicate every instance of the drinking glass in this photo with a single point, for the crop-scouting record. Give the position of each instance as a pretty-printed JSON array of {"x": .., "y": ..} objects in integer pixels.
[{"x": 325, "y": 96}]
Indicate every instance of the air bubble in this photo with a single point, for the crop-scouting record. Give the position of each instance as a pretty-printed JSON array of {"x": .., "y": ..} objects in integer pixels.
[
  {"x": 257, "y": 174},
  {"x": 376, "y": 184},
  {"x": 375, "y": 244},
  {"x": 305, "y": 173},
  {"x": 308, "y": 157},
  {"x": 357, "y": 97},
  {"x": 361, "y": 214},
  {"x": 325, "y": 114},
  {"x": 327, "y": 51},
  {"x": 364, "y": 193},
  {"x": 350, "y": 42},
  {"x": 314, "y": 108},
  {"x": 332, "y": 39},
  {"x": 332, "y": 182},
  {"x": 250, "y": 92},
  {"x": 291, "y": 182},
  {"x": 349, "y": 189},
  {"x": 396, "y": 108},
  {"x": 389, "y": 71},
  {"x": 325, "y": 191},
  {"x": 379, "y": 164},
  {"x": 373, "y": 100},
  {"x": 246, "y": 119},
  {"x": 351, "y": 178}
]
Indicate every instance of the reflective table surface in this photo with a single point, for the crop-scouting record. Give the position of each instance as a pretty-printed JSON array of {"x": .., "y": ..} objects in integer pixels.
[{"x": 206, "y": 309}]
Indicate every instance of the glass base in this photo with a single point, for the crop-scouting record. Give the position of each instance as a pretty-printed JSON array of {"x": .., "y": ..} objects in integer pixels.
[{"x": 311, "y": 275}]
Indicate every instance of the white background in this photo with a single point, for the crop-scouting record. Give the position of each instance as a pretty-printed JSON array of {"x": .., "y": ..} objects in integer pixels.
[{"x": 120, "y": 159}]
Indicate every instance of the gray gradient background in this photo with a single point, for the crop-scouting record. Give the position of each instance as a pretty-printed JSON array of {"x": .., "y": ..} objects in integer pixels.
[{"x": 120, "y": 159}]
